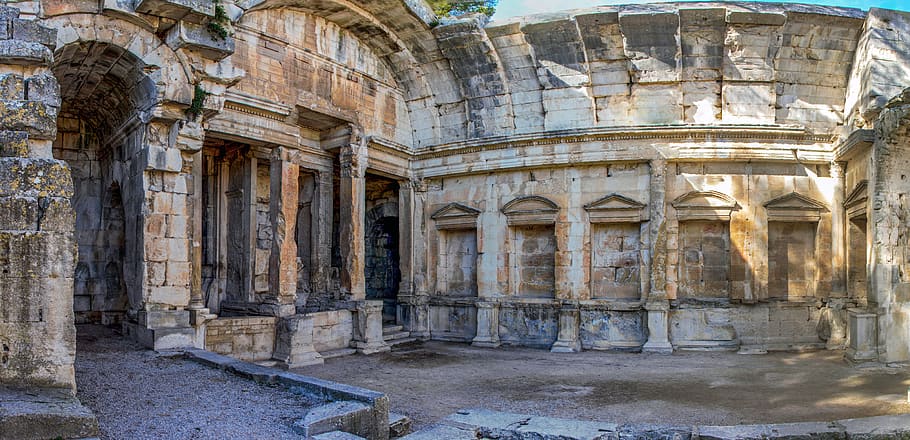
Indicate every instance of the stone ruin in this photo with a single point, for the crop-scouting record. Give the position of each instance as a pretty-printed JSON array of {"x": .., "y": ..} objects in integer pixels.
[{"x": 294, "y": 180}]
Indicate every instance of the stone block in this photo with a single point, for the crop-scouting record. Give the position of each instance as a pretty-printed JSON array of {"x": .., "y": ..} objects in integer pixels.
[
  {"x": 31, "y": 31},
  {"x": 43, "y": 88},
  {"x": 198, "y": 38},
  {"x": 175, "y": 9},
  {"x": 14, "y": 144},
  {"x": 53, "y": 8},
  {"x": 12, "y": 86},
  {"x": 36, "y": 118}
]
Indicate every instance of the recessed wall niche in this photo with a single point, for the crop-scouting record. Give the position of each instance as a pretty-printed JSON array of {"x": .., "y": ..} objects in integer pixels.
[{"x": 532, "y": 251}]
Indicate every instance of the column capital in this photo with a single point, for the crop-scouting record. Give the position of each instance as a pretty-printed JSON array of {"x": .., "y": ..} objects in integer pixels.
[{"x": 353, "y": 156}]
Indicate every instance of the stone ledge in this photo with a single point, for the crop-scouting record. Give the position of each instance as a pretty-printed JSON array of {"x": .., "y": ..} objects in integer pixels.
[
  {"x": 493, "y": 424},
  {"x": 43, "y": 414},
  {"x": 317, "y": 388}
]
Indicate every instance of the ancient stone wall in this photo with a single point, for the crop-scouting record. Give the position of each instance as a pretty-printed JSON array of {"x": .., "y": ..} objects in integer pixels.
[
  {"x": 705, "y": 176},
  {"x": 37, "y": 241}
]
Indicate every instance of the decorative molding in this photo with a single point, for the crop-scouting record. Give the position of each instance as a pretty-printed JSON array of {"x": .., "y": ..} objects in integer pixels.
[
  {"x": 530, "y": 210},
  {"x": 615, "y": 208},
  {"x": 857, "y": 142},
  {"x": 704, "y": 205},
  {"x": 856, "y": 202},
  {"x": 670, "y": 133},
  {"x": 456, "y": 216},
  {"x": 794, "y": 207},
  {"x": 256, "y": 106}
]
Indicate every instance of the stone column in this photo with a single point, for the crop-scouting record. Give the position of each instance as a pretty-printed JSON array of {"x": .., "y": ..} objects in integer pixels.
[
  {"x": 37, "y": 222},
  {"x": 283, "y": 196},
  {"x": 569, "y": 325},
  {"x": 415, "y": 308},
  {"x": 657, "y": 306},
  {"x": 353, "y": 158},
  {"x": 487, "y": 325},
  {"x": 406, "y": 221},
  {"x": 322, "y": 240},
  {"x": 368, "y": 328},
  {"x": 838, "y": 235}
]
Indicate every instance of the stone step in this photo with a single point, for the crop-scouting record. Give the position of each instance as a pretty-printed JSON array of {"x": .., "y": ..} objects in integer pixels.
[
  {"x": 447, "y": 432},
  {"x": 402, "y": 341},
  {"x": 397, "y": 335},
  {"x": 337, "y": 435},
  {"x": 399, "y": 425},
  {"x": 392, "y": 328},
  {"x": 337, "y": 353},
  {"x": 334, "y": 416}
]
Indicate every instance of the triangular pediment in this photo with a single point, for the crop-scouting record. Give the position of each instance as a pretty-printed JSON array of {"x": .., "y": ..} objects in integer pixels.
[
  {"x": 795, "y": 201},
  {"x": 455, "y": 216},
  {"x": 455, "y": 210},
  {"x": 529, "y": 204},
  {"x": 859, "y": 194},
  {"x": 614, "y": 201},
  {"x": 615, "y": 208},
  {"x": 705, "y": 199},
  {"x": 530, "y": 210}
]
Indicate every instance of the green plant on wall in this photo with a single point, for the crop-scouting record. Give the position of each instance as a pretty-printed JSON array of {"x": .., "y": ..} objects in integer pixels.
[
  {"x": 444, "y": 8},
  {"x": 217, "y": 25},
  {"x": 199, "y": 95}
]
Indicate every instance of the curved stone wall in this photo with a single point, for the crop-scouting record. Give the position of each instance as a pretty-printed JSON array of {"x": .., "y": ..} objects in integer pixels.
[{"x": 657, "y": 177}]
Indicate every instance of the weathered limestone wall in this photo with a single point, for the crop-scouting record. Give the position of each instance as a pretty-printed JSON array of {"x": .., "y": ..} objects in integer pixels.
[
  {"x": 651, "y": 64},
  {"x": 37, "y": 242},
  {"x": 881, "y": 63},
  {"x": 889, "y": 287},
  {"x": 248, "y": 338}
]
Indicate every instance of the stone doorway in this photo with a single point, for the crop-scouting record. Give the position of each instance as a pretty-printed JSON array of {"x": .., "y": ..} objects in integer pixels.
[
  {"x": 382, "y": 257},
  {"x": 100, "y": 131}
]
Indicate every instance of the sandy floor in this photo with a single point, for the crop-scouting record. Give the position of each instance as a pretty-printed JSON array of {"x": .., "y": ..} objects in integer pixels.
[
  {"x": 137, "y": 394},
  {"x": 430, "y": 381}
]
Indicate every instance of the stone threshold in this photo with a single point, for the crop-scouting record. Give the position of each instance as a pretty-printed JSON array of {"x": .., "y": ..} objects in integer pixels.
[
  {"x": 44, "y": 413},
  {"x": 482, "y": 423},
  {"x": 372, "y": 422}
]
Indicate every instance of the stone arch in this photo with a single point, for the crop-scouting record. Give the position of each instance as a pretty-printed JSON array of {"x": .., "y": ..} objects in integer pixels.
[
  {"x": 116, "y": 78},
  {"x": 167, "y": 70},
  {"x": 401, "y": 35}
]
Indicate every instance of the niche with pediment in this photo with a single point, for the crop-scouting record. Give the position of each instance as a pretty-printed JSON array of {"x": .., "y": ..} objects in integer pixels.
[
  {"x": 456, "y": 269},
  {"x": 616, "y": 223},
  {"x": 792, "y": 228},
  {"x": 855, "y": 206},
  {"x": 704, "y": 244},
  {"x": 532, "y": 238}
]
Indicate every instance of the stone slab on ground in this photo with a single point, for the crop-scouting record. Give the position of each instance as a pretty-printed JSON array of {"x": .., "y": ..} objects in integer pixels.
[
  {"x": 430, "y": 381},
  {"x": 40, "y": 414},
  {"x": 483, "y": 423}
]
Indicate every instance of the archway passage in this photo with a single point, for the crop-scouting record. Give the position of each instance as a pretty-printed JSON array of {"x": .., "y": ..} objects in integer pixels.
[
  {"x": 106, "y": 97},
  {"x": 382, "y": 258}
]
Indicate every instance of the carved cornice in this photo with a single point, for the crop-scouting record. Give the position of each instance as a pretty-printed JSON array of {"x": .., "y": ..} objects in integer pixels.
[{"x": 668, "y": 133}]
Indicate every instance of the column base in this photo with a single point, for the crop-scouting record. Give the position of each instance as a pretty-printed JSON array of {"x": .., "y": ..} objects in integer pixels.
[
  {"x": 294, "y": 343},
  {"x": 301, "y": 360},
  {"x": 368, "y": 349},
  {"x": 566, "y": 347},
  {"x": 657, "y": 347},
  {"x": 486, "y": 343},
  {"x": 160, "y": 338}
]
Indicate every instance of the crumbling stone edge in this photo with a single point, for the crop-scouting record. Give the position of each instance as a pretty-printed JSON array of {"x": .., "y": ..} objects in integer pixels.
[
  {"x": 319, "y": 389},
  {"x": 483, "y": 423}
]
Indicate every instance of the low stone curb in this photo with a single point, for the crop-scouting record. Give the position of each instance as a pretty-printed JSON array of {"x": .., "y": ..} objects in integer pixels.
[
  {"x": 324, "y": 390},
  {"x": 485, "y": 424}
]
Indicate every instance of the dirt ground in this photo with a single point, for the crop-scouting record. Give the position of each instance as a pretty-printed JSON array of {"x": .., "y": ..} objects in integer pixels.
[
  {"x": 432, "y": 380},
  {"x": 137, "y": 394}
]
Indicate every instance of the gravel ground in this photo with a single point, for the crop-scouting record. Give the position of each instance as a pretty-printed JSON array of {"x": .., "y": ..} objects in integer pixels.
[
  {"x": 137, "y": 394},
  {"x": 430, "y": 381}
]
